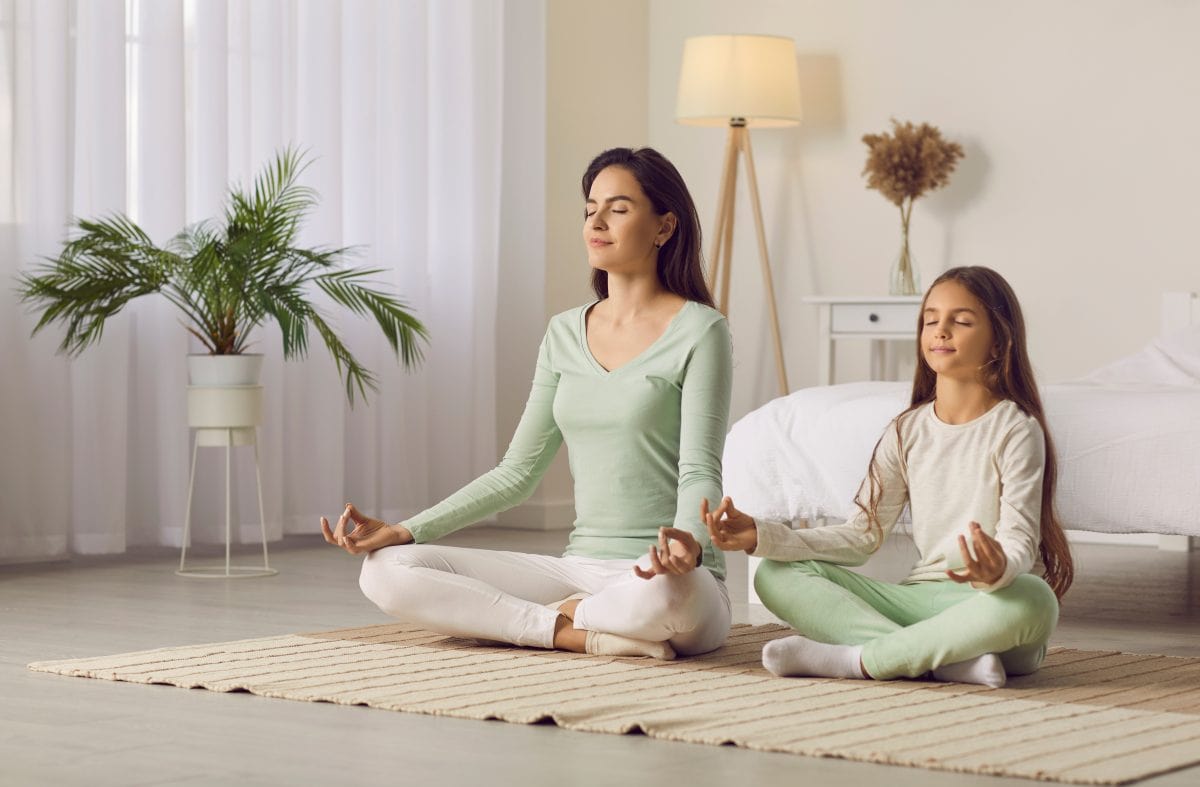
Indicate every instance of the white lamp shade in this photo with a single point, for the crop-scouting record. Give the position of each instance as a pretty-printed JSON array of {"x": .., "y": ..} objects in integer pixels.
[{"x": 738, "y": 76}]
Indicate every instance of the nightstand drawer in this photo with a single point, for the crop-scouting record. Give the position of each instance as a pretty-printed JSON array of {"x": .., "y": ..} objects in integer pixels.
[{"x": 898, "y": 318}]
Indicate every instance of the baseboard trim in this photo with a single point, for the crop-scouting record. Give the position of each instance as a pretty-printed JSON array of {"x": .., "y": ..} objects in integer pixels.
[
  {"x": 1163, "y": 542},
  {"x": 1123, "y": 539}
]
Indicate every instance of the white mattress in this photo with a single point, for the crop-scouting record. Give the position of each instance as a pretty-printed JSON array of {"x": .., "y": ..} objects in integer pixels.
[{"x": 1127, "y": 437}]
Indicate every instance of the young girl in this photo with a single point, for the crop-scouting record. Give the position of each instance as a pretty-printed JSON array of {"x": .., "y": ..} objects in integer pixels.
[
  {"x": 973, "y": 460},
  {"x": 636, "y": 383}
]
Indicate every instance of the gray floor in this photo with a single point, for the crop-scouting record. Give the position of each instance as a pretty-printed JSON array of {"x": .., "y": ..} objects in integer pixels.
[{"x": 56, "y": 730}]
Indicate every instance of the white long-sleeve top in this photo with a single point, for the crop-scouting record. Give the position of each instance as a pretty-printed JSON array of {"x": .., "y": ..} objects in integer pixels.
[{"x": 988, "y": 470}]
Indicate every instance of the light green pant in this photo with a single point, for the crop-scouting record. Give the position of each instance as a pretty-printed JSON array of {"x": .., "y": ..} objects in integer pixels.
[{"x": 907, "y": 630}]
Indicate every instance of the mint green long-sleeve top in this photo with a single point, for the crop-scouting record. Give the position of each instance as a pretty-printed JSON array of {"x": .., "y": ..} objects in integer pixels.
[{"x": 644, "y": 440}]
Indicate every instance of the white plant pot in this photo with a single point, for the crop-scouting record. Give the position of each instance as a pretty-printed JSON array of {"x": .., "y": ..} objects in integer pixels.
[
  {"x": 225, "y": 369},
  {"x": 224, "y": 394}
]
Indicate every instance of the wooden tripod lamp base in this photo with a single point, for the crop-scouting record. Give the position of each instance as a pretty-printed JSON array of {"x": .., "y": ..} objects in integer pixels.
[{"x": 738, "y": 145}]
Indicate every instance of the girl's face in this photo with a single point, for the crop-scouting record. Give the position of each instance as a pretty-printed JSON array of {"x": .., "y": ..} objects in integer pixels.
[
  {"x": 621, "y": 227},
  {"x": 956, "y": 334}
]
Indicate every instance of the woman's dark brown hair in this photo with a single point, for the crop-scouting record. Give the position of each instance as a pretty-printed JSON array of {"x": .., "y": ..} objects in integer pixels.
[
  {"x": 1009, "y": 375},
  {"x": 680, "y": 268}
]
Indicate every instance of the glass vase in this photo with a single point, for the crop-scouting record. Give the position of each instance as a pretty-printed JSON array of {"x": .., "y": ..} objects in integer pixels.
[{"x": 904, "y": 279}]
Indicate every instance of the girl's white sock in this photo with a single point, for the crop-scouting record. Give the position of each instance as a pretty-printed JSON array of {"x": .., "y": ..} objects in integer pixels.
[
  {"x": 798, "y": 656},
  {"x": 985, "y": 670}
]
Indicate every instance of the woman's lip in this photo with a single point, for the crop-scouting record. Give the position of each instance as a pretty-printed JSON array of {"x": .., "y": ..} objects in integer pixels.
[
  {"x": 598, "y": 242},
  {"x": 941, "y": 349}
]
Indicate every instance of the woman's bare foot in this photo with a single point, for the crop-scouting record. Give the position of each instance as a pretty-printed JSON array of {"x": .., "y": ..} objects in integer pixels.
[{"x": 567, "y": 637}]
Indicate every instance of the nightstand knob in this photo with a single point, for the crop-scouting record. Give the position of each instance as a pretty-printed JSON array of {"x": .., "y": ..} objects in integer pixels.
[{"x": 873, "y": 317}]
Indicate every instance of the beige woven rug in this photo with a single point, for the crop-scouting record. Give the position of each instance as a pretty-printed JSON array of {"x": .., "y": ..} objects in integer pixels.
[{"x": 1086, "y": 717}]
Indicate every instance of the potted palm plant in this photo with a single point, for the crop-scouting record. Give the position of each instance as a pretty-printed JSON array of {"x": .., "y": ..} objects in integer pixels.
[{"x": 226, "y": 277}]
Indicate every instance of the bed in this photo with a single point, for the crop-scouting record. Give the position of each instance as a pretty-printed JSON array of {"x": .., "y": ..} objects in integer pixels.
[{"x": 1127, "y": 437}]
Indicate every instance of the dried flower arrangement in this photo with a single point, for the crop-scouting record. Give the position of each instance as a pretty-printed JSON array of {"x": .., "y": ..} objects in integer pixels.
[{"x": 903, "y": 166}]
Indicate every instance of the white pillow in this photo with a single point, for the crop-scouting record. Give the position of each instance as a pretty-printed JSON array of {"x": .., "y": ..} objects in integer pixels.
[
  {"x": 1168, "y": 360},
  {"x": 803, "y": 456}
]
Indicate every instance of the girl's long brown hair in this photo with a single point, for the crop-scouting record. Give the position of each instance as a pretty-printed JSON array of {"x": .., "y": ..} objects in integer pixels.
[
  {"x": 1009, "y": 375},
  {"x": 680, "y": 267}
]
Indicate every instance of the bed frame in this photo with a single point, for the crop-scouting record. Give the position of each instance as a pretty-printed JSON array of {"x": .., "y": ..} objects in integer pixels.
[{"x": 1178, "y": 310}]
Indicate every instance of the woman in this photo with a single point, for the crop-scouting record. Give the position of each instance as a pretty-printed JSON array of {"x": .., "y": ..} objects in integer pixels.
[
  {"x": 973, "y": 460},
  {"x": 636, "y": 384}
]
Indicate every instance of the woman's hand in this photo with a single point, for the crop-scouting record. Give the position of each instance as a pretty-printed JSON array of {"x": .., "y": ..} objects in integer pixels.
[
  {"x": 729, "y": 528},
  {"x": 677, "y": 552},
  {"x": 366, "y": 533},
  {"x": 989, "y": 562}
]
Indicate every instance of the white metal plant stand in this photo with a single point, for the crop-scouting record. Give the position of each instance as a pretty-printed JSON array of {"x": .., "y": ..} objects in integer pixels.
[{"x": 224, "y": 417}]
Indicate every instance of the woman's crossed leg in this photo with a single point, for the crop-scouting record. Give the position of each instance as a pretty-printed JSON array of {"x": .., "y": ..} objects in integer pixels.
[{"x": 502, "y": 596}]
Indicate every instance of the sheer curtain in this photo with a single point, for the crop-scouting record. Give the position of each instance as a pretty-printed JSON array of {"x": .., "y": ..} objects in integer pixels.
[{"x": 153, "y": 107}]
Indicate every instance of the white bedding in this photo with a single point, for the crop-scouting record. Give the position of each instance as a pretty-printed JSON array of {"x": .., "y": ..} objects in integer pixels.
[{"x": 1127, "y": 436}]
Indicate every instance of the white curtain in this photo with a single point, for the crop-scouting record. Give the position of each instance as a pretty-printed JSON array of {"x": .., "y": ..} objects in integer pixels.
[{"x": 153, "y": 107}]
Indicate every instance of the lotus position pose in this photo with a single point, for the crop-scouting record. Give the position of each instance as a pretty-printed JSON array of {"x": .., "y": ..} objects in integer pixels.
[
  {"x": 636, "y": 383},
  {"x": 972, "y": 459}
]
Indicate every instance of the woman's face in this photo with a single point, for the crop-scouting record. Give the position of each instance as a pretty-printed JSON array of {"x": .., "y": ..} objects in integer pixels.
[
  {"x": 621, "y": 228},
  {"x": 956, "y": 333}
]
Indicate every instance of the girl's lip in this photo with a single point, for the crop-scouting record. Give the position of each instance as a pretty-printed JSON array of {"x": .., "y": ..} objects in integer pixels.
[
  {"x": 941, "y": 349},
  {"x": 599, "y": 242}
]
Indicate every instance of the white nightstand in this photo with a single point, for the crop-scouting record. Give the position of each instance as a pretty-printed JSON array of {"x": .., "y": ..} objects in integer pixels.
[{"x": 878, "y": 318}]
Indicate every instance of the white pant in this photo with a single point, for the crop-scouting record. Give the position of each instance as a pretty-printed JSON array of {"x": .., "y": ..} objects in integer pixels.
[{"x": 500, "y": 596}]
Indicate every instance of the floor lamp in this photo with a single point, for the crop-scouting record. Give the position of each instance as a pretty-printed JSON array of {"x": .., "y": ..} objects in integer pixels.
[{"x": 739, "y": 81}]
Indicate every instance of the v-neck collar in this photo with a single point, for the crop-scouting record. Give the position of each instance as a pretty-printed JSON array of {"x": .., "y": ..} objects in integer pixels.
[{"x": 587, "y": 350}]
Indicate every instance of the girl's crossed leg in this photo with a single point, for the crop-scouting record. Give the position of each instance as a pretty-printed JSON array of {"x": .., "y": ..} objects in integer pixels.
[{"x": 909, "y": 630}]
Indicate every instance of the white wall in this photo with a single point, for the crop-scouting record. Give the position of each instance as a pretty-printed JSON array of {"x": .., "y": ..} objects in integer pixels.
[
  {"x": 594, "y": 68},
  {"x": 1081, "y": 124},
  {"x": 596, "y": 98}
]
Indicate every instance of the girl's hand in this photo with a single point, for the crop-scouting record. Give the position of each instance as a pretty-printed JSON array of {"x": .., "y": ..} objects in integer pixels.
[
  {"x": 989, "y": 562},
  {"x": 677, "y": 552},
  {"x": 729, "y": 528},
  {"x": 366, "y": 533}
]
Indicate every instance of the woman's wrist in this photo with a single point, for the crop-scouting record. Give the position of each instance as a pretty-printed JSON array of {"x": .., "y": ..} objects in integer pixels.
[{"x": 403, "y": 534}]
